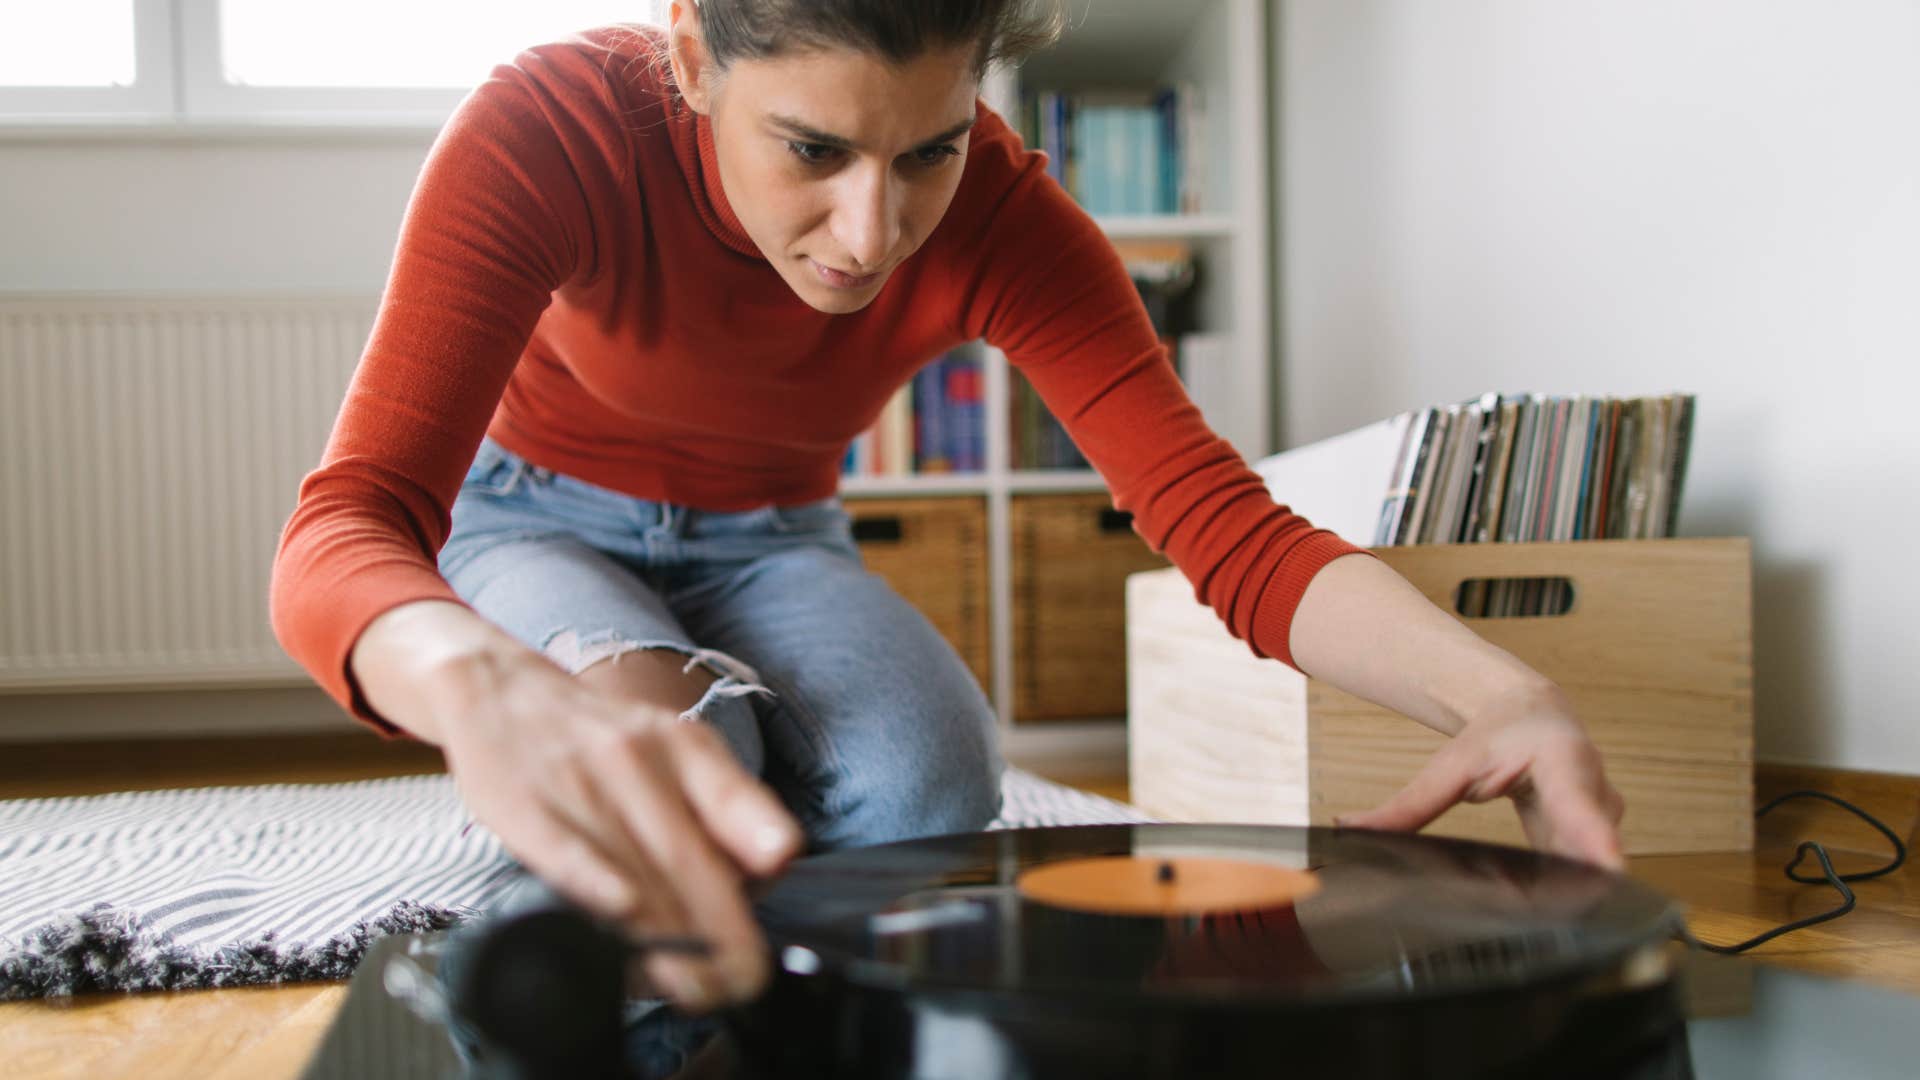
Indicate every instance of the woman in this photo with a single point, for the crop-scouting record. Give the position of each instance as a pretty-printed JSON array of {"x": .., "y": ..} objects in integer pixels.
[{"x": 660, "y": 280}]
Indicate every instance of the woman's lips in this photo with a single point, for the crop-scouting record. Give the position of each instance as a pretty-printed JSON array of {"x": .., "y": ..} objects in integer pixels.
[{"x": 840, "y": 279}]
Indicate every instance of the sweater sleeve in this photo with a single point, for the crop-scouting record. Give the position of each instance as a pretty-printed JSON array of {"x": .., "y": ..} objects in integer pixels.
[
  {"x": 500, "y": 216},
  {"x": 1052, "y": 293}
]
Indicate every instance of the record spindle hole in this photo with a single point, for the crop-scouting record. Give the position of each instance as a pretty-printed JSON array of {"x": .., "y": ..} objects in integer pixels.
[{"x": 1166, "y": 873}]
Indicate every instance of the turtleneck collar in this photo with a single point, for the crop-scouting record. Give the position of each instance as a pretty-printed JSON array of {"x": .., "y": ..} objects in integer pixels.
[{"x": 693, "y": 145}]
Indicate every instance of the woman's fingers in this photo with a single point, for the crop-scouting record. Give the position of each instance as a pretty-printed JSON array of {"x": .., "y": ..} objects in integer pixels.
[
  {"x": 574, "y": 788},
  {"x": 1440, "y": 783},
  {"x": 742, "y": 813},
  {"x": 651, "y": 788},
  {"x": 562, "y": 856},
  {"x": 612, "y": 806},
  {"x": 601, "y": 808},
  {"x": 1577, "y": 812},
  {"x": 1552, "y": 773}
]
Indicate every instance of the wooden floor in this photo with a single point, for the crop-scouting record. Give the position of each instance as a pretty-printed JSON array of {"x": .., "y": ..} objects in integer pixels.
[{"x": 264, "y": 1033}]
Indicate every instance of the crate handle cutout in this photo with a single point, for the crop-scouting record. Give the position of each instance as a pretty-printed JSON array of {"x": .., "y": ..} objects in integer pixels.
[
  {"x": 1513, "y": 597},
  {"x": 1113, "y": 521},
  {"x": 871, "y": 530}
]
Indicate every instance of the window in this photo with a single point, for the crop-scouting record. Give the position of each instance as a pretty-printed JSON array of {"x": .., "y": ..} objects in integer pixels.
[
  {"x": 76, "y": 43},
  {"x": 85, "y": 57},
  {"x": 376, "y": 61}
]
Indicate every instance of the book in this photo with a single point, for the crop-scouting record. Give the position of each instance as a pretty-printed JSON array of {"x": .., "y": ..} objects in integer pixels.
[
  {"x": 1473, "y": 499},
  {"x": 1513, "y": 513},
  {"x": 1618, "y": 518},
  {"x": 1659, "y": 468},
  {"x": 1538, "y": 471},
  {"x": 1336, "y": 482},
  {"x": 1465, "y": 444},
  {"x": 1439, "y": 427},
  {"x": 1493, "y": 501},
  {"x": 1498, "y": 468},
  {"x": 1418, "y": 470},
  {"x": 964, "y": 394},
  {"x": 1551, "y": 476},
  {"x": 932, "y": 443},
  {"x": 1571, "y": 475},
  {"x": 1600, "y": 455},
  {"x": 1640, "y": 472},
  {"x": 1122, "y": 150},
  {"x": 1682, "y": 444},
  {"x": 1393, "y": 507},
  {"x": 893, "y": 451}
]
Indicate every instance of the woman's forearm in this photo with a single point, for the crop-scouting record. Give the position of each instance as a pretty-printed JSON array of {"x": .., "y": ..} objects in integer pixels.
[{"x": 1365, "y": 629}]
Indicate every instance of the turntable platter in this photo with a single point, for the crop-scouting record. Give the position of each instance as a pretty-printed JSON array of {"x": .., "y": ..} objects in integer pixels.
[{"x": 1175, "y": 950}]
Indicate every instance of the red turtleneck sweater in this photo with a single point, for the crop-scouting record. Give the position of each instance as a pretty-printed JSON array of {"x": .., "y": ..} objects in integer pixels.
[{"x": 570, "y": 279}]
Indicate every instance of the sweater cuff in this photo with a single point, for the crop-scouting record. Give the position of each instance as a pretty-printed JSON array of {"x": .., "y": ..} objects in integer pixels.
[{"x": 1271, "y": 633}]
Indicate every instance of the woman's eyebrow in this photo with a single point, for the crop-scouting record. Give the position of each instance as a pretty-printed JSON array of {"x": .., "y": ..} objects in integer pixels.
[{"x": 840, "y": 142}]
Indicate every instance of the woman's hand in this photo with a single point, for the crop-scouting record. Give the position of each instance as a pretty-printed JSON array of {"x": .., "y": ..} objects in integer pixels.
[
  {"x": 642, "y": 818},
  {"x": 638, "y": 816},
  {"x": 1365, "y": 629},
  {"x": 1533, "y": 750}
]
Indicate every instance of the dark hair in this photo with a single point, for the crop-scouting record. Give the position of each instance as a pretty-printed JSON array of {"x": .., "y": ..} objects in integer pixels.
[{"x": 899, "y": 30}]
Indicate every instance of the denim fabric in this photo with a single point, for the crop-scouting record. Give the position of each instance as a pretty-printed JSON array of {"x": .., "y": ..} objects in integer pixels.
[{"x": 830, "y": 686}]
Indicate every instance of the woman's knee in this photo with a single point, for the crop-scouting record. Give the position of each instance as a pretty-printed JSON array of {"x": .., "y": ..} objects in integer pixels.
[
  {"x": 914, "y": 776},
  {"x": 696, "y": 684}
]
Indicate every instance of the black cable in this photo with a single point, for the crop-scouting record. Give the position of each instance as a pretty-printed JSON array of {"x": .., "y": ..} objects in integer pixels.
[{"x": 1838, "y": 881}]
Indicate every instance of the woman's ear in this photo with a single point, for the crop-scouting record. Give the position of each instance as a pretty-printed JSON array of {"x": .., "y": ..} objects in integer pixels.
[{"x": 687, "y": 52}]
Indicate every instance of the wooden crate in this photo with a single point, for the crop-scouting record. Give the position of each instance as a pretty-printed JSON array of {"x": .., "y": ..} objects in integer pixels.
[
  {"x": 1071, "y": 558},
  {"x": 1655, "y": 651},
  {"x": 933, "y": 551}
]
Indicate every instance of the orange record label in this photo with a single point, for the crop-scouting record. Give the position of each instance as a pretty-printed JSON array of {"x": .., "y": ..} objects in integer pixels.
[{"x": 1171, "y": 885}]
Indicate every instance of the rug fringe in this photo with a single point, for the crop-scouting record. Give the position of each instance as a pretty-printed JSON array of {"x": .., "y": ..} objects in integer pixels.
[{"x": 102, "y": 950}]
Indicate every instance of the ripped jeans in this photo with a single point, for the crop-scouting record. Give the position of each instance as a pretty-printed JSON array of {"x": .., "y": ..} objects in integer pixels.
[{"x": 830, "y": 687}]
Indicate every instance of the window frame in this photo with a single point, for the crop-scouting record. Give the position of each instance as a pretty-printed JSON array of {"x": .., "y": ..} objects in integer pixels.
[
  {"x": 206, "y": 95},
  {"x": 154, "y": 91},
  {"x": 179, "y": 84}
]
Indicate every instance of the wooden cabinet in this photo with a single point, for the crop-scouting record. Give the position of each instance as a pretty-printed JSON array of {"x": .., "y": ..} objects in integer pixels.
[
  {"x": 1071, "y": 558},
  {"x": 934, "y": 553}
]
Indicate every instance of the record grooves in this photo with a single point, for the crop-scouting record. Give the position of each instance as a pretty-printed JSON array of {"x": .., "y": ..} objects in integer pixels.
[
  {"x": 1132, "y": 951},
  {"x": 1393, "y": 955}
]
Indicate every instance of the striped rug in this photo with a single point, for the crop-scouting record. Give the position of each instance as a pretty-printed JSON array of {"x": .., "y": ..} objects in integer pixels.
[{"x": 275, "y": 883}]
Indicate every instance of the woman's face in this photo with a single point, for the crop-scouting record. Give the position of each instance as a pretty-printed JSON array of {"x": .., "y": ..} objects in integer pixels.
[{"x": 837, "y": 162}]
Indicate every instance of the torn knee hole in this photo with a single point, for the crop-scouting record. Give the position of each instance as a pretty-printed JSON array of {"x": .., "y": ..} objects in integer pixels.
[
  {"x": 735, "y": 680},
  {"x": 577, "y": 652},
  {"x": 732, "y": 678}
]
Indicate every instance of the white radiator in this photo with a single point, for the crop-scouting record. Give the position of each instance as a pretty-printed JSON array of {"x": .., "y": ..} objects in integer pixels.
[{"x": 150, "y": 450}]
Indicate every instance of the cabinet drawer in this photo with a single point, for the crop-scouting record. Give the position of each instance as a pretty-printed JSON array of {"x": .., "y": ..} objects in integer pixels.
[
  {"x": 933, "y": 551},
  {"x": 1071, "y": 558}
]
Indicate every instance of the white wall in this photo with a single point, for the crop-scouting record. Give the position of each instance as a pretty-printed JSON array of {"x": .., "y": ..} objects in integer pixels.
[
  {"x": 227, "y": 214},
  {"x": 1636, "y": 196},
  {"x": 240, "y": 213}
]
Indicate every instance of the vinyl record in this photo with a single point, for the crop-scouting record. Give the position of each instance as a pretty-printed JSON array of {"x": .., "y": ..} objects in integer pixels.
[{"x": 1180, "y": 949}]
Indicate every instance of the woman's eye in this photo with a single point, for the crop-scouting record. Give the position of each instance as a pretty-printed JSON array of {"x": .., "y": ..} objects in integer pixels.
[
  {"x": 935, "y": 155},
  {"x": 810, "y": 152}
]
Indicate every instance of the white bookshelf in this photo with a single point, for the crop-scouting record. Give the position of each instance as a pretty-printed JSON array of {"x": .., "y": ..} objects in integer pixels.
[
  {"x": 1170, "y": 227},
  {"x": 1219, "y": 47}
]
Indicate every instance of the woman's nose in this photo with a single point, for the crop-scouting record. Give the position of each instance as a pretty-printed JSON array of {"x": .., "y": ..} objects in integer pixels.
[{"x": 867, "y": 221}]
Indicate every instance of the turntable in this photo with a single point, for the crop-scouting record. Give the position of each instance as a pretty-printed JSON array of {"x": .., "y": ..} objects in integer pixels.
[{"x": 1129, "y": 950}]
